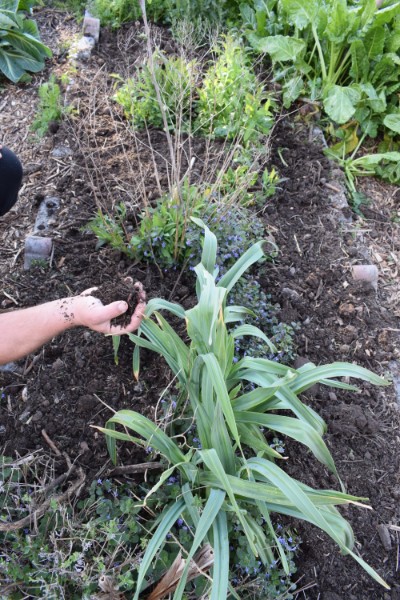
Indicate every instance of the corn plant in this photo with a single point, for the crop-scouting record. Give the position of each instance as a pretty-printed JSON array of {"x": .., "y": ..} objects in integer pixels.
[{"x": 234, "y": 470}]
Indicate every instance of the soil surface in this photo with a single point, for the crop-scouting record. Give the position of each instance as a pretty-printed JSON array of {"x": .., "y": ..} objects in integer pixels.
[{"x": 93, "y": 160}]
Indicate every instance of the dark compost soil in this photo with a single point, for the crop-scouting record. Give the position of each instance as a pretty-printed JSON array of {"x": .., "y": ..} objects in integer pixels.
[{"x": 68, "y": 385}]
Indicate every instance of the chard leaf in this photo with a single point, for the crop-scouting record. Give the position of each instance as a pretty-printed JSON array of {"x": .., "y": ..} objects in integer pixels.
[
  {"x": 392, "y": 121},
  {"x": 281, "y": 48},
  {"x": 340, "y": 22},
  {"x": 359, "y": 61},
  {"x": 301, "y": 13},
  {"x": 374, "y": 42},
  {"x": 385, "y": 15},
  {"x": 292, "y": 90},
  {"x": 340, "y": 103}
]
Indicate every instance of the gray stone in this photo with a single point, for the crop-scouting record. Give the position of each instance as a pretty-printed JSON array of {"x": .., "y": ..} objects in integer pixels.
[
  {"x": 36, "y": 248},
  {"x": 83, "y": 49},
  {"x": 61, "y": 152},
  {"x": 385, "y": 538},
  {"x": 47, "y": 210},
  {"x": 91, "y": 27}
]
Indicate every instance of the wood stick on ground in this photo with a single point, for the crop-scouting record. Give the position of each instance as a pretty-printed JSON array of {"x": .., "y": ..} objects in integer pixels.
[
  {"x": 50, "y": 443},
  {"x": 131, "y": 469},
  {"x": 39, "y": 512}
]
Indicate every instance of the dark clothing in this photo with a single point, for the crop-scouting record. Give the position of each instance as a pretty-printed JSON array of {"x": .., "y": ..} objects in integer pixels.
[{"x": 10, "y": 179}]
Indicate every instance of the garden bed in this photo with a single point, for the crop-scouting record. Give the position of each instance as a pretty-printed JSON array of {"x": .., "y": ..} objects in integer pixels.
[{"x": 69, "y": 385}]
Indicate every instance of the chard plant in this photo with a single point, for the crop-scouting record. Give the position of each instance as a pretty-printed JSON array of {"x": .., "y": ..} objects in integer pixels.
[
  {"x": 343, "y": 54},
  {"x": 233, "y": 471}
]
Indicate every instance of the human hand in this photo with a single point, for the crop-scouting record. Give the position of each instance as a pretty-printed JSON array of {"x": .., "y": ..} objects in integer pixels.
[{"x": 91, "y": 312}]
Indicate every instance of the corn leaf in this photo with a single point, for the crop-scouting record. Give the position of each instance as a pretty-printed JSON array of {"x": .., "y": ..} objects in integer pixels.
[
  {"x": 168, "y": 518},
  {"x": 218, "y": 382},
  {"x": 300, "y": 431},
  {"x": 251, "y": 256},
  {"x": 152, "y": 434},
  {"x": 253, "y": 331},
  {"x": 221, "y": 557},
  {"x": 210, "y": 511}
]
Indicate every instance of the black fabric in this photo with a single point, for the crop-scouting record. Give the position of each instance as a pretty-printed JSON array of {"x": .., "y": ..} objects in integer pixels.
[{"x": 10, "y": 179}]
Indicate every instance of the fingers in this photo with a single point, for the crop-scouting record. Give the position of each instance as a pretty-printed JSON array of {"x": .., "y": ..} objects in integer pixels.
[
  {"x": 104, "y": 314},
  {"x": 136, "y": 320}
]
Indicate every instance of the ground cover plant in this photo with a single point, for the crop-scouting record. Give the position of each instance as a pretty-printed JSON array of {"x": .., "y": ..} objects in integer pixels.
[
  {"x": 21, "y": 51},
  {"x": 233, "y": 467}
]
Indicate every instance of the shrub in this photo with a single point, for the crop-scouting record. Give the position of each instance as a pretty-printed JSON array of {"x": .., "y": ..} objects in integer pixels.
[
  {"x": 232, "y": 102},
  {"x": 231, "y": 473},
  {"x": 21, "y": 50},
  {"x": 176, "y": 79}
]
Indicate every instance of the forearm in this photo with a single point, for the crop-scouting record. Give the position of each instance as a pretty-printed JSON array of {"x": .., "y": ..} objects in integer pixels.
[{"x": 23, "y": 331}]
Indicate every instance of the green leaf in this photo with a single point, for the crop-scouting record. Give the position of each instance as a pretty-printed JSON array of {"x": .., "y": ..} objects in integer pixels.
[
  {"x": 340, "y": 103},
  {"x": 209, "y": 254},
  {"x": 253, "y": 331},
  {"x": 359, "y": 61},
  {"x": 292, "y": 90},
  {"x": 154, "y": 436},
  {"x": 299, "y": 431},
  {"x": 374, "y": 42},
  {"x": 252, "y": 255},
  {"x": 219, "y": 385},
  {"x": 209, "y": 514},
  {"x": 392, "y": 121},
  {"x": 221, "y": 557},
  {"x": 167, "y": 520},
  {"x": 155, "y": 304},
  {"x": 386, "y": 14},
  {"x": 325, "y": 372},
  {"x": 281, "y": 48},
  {"x": 301, "y": 13}
]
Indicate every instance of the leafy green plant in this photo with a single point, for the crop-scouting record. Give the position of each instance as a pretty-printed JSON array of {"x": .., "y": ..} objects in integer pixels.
[
  {"x": 364, "y": 165},
  {"x": 21, "y": 50},
  {"x": 161, "y": 234},
  {"x": 116, "y": 12},
  {"x": 232, "y": 102},
  {"x": 233, "y": 471},
  {"x": 50, "y": 109},
  {"x": 176, "y": 79},
  {"x": 343, "y": 54}
]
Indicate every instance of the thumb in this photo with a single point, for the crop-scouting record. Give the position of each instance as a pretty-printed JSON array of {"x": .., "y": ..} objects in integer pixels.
[{"x": 110, "y": 311}]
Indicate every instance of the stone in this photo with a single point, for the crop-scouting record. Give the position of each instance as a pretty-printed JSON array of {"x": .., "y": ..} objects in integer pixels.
[
  {"x": 385, "y": 538},
  {"x": 61, "y": 152},
  {"x": 367, "y": 273},
  {"x": 346, "y": 309},
  {"x": 83, "y": 49},
  {"x": 91, "y": 27},
  {"x": 45, "y": 216},
  {"x": 37, "y": 248}
]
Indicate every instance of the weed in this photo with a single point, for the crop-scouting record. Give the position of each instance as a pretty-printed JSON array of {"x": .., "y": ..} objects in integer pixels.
[{"x": 50, "y": 109}]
